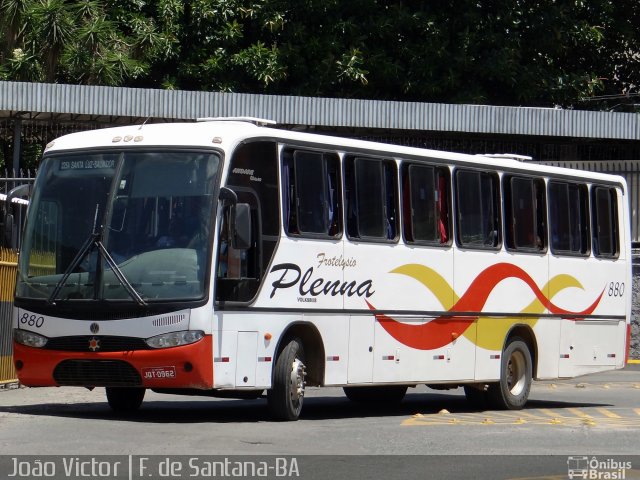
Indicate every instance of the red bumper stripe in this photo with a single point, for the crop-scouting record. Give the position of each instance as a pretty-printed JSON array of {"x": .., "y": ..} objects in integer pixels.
[{"x": 193, "y": 364}]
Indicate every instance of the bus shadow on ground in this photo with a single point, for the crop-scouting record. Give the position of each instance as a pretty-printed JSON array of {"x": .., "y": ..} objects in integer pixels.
[{"x": 187, "y": 410}]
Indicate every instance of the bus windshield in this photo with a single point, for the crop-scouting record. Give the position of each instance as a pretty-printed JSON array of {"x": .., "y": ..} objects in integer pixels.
[{"x": 119, "y": 226}]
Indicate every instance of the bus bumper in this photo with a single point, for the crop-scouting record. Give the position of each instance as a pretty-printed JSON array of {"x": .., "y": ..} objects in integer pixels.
[{"x": 188, "y": 366}]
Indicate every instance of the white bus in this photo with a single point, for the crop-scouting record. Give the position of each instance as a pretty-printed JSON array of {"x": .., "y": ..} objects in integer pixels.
[{"x": 226, "y": 258}]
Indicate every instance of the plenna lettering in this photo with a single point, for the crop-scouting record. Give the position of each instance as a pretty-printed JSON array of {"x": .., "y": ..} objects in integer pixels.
[{"x": 307, "y": 285}]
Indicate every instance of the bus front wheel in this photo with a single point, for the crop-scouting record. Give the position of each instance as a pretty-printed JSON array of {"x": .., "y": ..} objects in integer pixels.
[
  {"x": 286, "y": 395},
  {"x": 125, "y": 399},
  {"x": 512, "y": 391}
]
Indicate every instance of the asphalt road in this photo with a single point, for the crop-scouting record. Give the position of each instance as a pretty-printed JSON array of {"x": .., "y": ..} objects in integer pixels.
[{"x": 597, "y": 415}]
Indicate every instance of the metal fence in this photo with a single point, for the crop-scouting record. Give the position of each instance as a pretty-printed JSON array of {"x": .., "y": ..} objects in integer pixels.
[{"x": 8, "y": 266}]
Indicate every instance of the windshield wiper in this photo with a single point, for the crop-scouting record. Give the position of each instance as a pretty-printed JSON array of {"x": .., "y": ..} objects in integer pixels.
[
  {"x": 84, "y": 250},
  {"x": 88, "y": 246},
  {"x": 94, "y": 241},
  {"x": 118, "y": 273}
]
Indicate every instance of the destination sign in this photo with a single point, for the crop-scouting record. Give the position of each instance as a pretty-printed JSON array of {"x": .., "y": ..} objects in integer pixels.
[{"x": 87, "y": 164}]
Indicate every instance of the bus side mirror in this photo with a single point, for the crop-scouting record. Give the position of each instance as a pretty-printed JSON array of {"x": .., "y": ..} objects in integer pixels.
[{"x": 241, "y": 222}]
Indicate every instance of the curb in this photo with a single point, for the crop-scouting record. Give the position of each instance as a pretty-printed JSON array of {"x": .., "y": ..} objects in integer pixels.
[{"x": 9, "y": 385}]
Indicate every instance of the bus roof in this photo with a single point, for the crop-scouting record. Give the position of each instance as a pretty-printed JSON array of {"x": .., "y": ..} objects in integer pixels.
[{"x": 225, "y": 134}]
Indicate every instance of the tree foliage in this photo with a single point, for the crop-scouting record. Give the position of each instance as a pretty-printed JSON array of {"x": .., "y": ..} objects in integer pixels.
[{"x": 516, "y": 52}]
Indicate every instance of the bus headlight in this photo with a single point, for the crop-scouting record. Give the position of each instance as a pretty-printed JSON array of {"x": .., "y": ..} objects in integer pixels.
[
  {"x": 175, "y": 339},
  {"x": 29, "y": 339}
]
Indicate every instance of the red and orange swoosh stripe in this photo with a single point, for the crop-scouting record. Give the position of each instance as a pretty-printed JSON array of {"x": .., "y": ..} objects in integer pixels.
[{"x": 442, "y": 330}]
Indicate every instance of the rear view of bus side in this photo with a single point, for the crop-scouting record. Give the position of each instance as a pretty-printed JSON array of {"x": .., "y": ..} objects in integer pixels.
[{"x": 224, "y": 258}]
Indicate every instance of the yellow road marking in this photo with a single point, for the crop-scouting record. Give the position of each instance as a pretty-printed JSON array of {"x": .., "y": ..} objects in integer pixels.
[
  {"x": 578, "y": 413},
  {"x": 548, "y": 412},
  {"x": 508, "y": 415},
  {"x": 591, "y": 385},
  {"x": 572, "y": 416},
  {"x": 608, "y": 413},
  {"x": 530, "y": 415}
]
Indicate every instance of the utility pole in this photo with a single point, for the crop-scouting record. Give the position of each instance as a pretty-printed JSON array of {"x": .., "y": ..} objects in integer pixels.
[{"x": 17, "y": 130}]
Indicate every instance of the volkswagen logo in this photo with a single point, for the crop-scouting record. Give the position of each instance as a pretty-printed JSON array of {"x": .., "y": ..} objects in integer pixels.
[{"x": 95, "y": 328}]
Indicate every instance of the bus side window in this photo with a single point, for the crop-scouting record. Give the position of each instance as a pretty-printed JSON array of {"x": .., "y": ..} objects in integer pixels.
[
  {"x": 569, "y": 218},
  {"x": 443, "y": 205},
  {"x": 372, "y": 199},
  {"x": 426, "y": 204},
  {"x": 478, "y": 209},
  {"x": 525, "y": 214},
  {"x": 606, "y": 242},
  {"x": 310, "y": 186}
]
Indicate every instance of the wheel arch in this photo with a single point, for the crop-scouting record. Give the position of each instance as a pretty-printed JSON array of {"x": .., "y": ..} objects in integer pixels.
[
  {"x": 313, "y": 349},
  {"x": 525, "y": 332}
]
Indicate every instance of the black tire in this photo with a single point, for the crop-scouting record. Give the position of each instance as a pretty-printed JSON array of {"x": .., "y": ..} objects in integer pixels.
[
  {"x": 512, "y": 391},
  {"x": 125, "y": 399},
  {"x": 286, "y": 396},
  {"x": 376, "y": 395},
  {"x": 476, "y": 397}
]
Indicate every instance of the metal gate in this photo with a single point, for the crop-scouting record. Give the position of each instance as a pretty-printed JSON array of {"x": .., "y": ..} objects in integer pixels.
[{"x": 8, "y": 266}]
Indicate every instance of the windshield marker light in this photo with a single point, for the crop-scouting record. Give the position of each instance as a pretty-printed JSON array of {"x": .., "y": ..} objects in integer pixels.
[
  {"x": 175, "y": 339},
  {"x": 30, "y": 339}
]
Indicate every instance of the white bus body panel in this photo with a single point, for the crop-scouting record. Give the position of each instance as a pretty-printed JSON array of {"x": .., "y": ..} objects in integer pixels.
[
  {"x": 385, "y": 287},
  {"x": 361, "y": 349}
]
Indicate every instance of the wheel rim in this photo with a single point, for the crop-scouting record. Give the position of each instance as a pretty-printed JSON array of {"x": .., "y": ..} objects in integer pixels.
[
  {"x": 296, "y": 389},
  {"x": 516, "y": 373}
]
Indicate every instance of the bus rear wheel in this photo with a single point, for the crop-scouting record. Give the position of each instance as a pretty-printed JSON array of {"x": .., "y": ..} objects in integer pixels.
[
  {"x": 125, "y": 399},
  {"x": 286, "y": 395},
  {"x": 376, "y": 395},
  {"x": 512, "y": 391}
]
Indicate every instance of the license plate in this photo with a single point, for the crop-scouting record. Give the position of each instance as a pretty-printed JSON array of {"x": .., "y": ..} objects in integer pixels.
[{"x": 159, "y": 373}]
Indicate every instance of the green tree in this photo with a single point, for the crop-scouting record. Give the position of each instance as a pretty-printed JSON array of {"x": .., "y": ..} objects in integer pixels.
[
  {"x": 12, "y": 22},
  {"x": 507, "y": 52},
  {"x": 86, "y": 41},
  {"x": 48, "y": 30}
]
